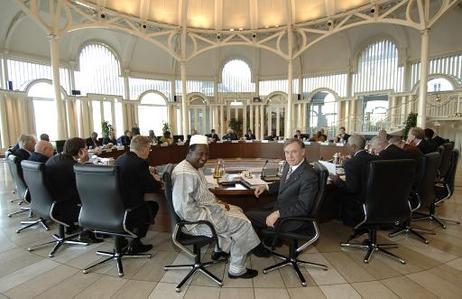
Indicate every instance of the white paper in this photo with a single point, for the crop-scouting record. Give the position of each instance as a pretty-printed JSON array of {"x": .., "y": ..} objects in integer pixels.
[{"x": 331, "y": 167}]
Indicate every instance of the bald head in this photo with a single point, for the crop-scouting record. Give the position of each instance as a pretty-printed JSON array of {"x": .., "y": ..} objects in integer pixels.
[{"x": 45, "y": 148}]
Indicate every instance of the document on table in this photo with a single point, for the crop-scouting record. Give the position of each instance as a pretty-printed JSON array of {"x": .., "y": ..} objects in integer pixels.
[
  {"x": 331, "y": 167},
  {"x": 253, "y": 182}
]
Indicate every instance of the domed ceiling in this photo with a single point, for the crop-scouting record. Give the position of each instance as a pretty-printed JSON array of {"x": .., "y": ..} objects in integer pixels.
[{"x": 230, "y": 14}]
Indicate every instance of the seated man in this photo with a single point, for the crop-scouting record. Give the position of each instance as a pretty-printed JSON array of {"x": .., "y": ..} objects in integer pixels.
[
  {"x": 60, "y": 176},
  {"x": 230, "y": 135},
  {"x": 342, "y": 136},
  {"x": 45, "y": 137},
  {"x": 249, "y": 135},
  {"x": 296, "y": 191},
  {"x": 126, "y": 138},
  {"x": 193, "y": 201},
  {"x": 26, "y": 145},
  {"x": 353, "y": 188},
  {"x": 93, "y": 141},
  {"x": 214, "y": 135},
  {"x": 387, "y": 150},
  {"x": 136, "y": 180},
  {"x": 43, "y": 151},
  {"x": 298, "y": 134},
  {"x": 273, "y": 136},
  {"x": 431, "y": 136},
  {"x": 416, "y": 137}
]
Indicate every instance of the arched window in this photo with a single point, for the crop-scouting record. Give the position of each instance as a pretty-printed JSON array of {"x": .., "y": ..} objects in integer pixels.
[
  {"x": 236, "y": 77},
  {"x": 378, "y": 68},
  {"x": 375, "y": 109},
  {"x": 44, "y": 109},
  {"x": 152, "y": 113},
  {"x": 323, "y": 113},
  {"x": 99, "y": 71},
  {"x": 439, "y": 84}
]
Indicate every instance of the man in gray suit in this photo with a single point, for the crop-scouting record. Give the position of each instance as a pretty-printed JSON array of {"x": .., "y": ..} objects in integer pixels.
[{"x": 296, "y": 191}]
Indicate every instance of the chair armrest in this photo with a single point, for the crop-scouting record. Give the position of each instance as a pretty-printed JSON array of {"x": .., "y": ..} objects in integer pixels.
[
  {"x": 182, "y": 223},
  {"x": 288, "y": 219},
  {"x": 129, "y": 210}
]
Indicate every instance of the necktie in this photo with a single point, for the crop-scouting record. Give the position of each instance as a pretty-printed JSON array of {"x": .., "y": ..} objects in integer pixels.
[{"x": 288, "y": 173}]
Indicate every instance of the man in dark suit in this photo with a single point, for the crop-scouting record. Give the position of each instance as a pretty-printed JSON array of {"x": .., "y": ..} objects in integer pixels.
[
  {"x": 296, "y": 192},
  {"x": 60, "y": 176},
  {"x": 230, "y": 135},
  {"x": 342, "y": 136},
  {"x": 430, "y": 135},
  {"x": 249, "y": 135},
  {"x": 214, "y": 135},
  {"x": 387, "y": 150},
  {"x": 416, "y": 137},
  {"x": 26, "y": 145},
  {"x": 126, "y": 138},
  {"x": 136, "y": 180},
  {"x": 352, "y": 189},
  {"x": 43, "y": 151},
  {"x": 93, "y": 141}
]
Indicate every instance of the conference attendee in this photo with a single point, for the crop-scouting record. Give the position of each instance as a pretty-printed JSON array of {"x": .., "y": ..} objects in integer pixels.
[
  {"x": 383, "y": 134},
  {"x": 193, "y": 132},
  {"x": 296, "y": 192},
  {"x": 126, "y": 138},
  {"x": 432, "y": 137},
  {"x": 45, "y": 137},
  {"x": 60, "y": 176},
  {"x": 153, "y": 137},
  {"x": 193, "y": 201},
  {"x": 42, "y": 152},
  {"x": 93, "y": 141},
  {"x": 110, "y": 139},
  {"x": 386, "y": 150},
  {"x": 298, "y": 135},
  {"x": 26, "y": 145},
  {"x": 166, "y": 138},
  {"x": 342, "y": 136},
  {"x": 319, "y": 136},
  {"x": 352, "y": 189},
  {"x": 415, "y": 138},
  {"x": 135, "y": 130},
  {"x": 136, "y": 180},
  {"x": 230, "y": 135},
  {"x": 413, "y": 153},
  {"x": 214, "y": 135},
  {"x": 273, "y": 136},
  {"x": 249, "y": 135}
]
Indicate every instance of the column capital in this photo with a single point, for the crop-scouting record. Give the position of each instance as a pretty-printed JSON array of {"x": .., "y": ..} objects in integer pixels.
[
  {"x": 425, "y": 31},
  {"x": 52, "y": 36}
]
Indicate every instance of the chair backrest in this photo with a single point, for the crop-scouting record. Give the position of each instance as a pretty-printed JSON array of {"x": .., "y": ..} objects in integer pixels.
[
  {"x": 387, "y": 191},
  {"x": 322, "y": 173},
  {"x": 451, "y": 176},
  {"x": 445, "y": 151},
  {"x": 426, "y": 189},
  {"x": 99, "y": 191},
  {"x": 168, "y": 187},
  {"x": 16, "y": 173},
  {"x": 34, "y": 175}
]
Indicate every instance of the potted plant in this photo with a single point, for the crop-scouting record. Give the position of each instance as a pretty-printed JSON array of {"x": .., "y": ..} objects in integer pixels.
[
  {"x": 106, "y": 128},
  {"x": 410, "y": 122}
]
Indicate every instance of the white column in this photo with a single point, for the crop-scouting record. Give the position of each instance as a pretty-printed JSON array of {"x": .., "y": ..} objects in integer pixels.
[
  {"x": 222, "y": 120},
  {"x": 251, "y": 119},
  {"x": 299, "y": 116},
  {"x": 303, "y": 128},
  {"x": 236, "y": 114},
  {"x": 393, "y": 111},
  {"x": 262, "y": 122},
  {"x": 228, "y": 116},
  {"x": 126, "y": 85},
  {"x": 269, "y": 112},
  {"x": 347, "y": 113},
  {"x": 54, "y": 54},
  {"x": 4, "y": 126},
  {"x": 4, "y": 72},
  {"x": 184, "y": 104},
  {"x": 278, "y": 123},
  {"x": 244, "y": 114},
  {"x": 257, "y": 122},
  {"x": 421, "y": 111},
  {"x": 403, "y": 109},
  {"x": 352, "y": 113},
  {"x": 289, "y": 114}
]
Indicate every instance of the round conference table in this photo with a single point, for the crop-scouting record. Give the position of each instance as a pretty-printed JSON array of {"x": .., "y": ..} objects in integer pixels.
[{"x": 238, "y": 156}]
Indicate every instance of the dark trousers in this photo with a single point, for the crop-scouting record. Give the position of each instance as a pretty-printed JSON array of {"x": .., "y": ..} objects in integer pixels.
[{"x": 141, "y": 218}]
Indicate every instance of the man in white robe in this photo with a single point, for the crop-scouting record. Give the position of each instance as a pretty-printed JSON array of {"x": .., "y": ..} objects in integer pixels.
[{"x": 193, "y": 201}]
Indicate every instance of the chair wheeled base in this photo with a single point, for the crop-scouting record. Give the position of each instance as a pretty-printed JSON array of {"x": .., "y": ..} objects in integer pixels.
[
  {"x": 59, "y": 240},
  {"x": 293, "y": 261},
  {"x": 432, "y": 217},
  {"x": 413, "y": 231},
  {"x": 20, "y": 211},
  {"x": 28, "y": 224},
  {"x": 372, "y": 246},
  {"x": 116, "y": 254}
]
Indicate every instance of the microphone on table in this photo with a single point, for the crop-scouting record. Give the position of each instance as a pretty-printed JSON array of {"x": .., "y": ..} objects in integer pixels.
[{"x": 263, "y": 170}]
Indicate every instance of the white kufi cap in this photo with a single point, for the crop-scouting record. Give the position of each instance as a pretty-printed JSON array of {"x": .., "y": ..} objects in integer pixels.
[{"x": 198, "y": 139}]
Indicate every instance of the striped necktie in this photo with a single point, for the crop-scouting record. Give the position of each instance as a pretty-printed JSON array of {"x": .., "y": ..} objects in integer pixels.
[{"x": 289, "y": 173}]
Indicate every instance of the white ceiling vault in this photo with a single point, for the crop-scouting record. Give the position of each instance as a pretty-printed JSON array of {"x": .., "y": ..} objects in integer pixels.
[{"x": 188, "y": 28}]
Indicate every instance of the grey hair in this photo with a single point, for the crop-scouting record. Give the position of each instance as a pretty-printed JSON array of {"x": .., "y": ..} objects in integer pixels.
[
  {"x": 357, "y": 140},
  {"x": 25, "y": 139},
  {"x": 378, "y": 141}
]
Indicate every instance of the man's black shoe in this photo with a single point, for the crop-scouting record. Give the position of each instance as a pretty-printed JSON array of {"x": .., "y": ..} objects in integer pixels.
[
  {"x": 89, "y": 237},
  {"x": 136, "y": 246},
  {"x": 219, "y": 255},
  {"x": 261, "y": 251},
  {"x": 250, "y": 273}
]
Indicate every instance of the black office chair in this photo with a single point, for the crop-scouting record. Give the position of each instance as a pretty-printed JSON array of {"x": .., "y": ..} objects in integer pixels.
[
  {"x": 46, "y": 207},
  {"x": 309, "y": 235},
  {"x": 103, "y": 210},
  {"x": 386, "y": 203},
  {"x": 445, "y": 151},
  {"x": 14, "y": 166},
  {"x": 427, "y": 190},
  {"x": 30, "y": 172},
  {"x": 415, "y": 204},
  {"x": 181, "y": 239},
  {"x": 7, "y": 153}
]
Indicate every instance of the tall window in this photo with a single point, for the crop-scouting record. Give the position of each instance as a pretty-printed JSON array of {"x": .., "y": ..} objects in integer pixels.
[
  {"x": 138, "y": 86},
  {"x": 236, "y": 77},
  {"x": 375, "y": 112},
  {"x": 205, "y": 87},
  {"x": 99, "y": 71},
  {"x": 323, "y": 113},
  {"x": 44, "y": 109},
  {"x": 152, "y": 113},
  {"x": 337, "y": 83},
  {"x": 449, "y": 65},
  {"x": 378, "y": 68},
  {"x": 439, "y": 84}
]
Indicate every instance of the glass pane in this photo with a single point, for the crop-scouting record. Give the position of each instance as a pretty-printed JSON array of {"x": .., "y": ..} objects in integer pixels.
[
  {"x": 107, "y": 106},
  {"x": 119, "y": 121},
  {"x": 46, "y": 118},
  {"x": 151, "y": 118},
  {"x": 153, "y": 99},
  {"x": 96, "y": 117}
]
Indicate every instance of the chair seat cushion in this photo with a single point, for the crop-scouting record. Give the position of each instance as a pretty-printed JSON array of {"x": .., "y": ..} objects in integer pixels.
[
  {"x": 305, "y": 233},
  {"x": 186, "y": 239}
]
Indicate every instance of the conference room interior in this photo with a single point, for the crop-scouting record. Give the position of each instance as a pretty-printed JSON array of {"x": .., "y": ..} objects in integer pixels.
[{"x": 250, "y": 76}]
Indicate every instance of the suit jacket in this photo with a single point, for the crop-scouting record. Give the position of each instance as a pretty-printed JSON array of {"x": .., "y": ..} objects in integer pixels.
[
  {"x": 250, "y": 136},
  {"x": 344, "y": 138},
  {"x": 125, "y": 140},
  {"x": 230, "y": 137},
  {"x": 93, "y": 143},
  {"x": 135, "y": 179},
  {"x": 297, "y": 194},
  {"x": 37, "y": 157},
  {"x": 60, "y": 177},
  {"x": 440, "y": 140},
  {"x": 392, "y": 152},
  {"x": 427, "y": 146},
  {"x": 356, "y": 170},
  {"x": 22, "y": 154},
  {"x": 107, "y": 140},
  {"x": 215, "y": 137}
]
